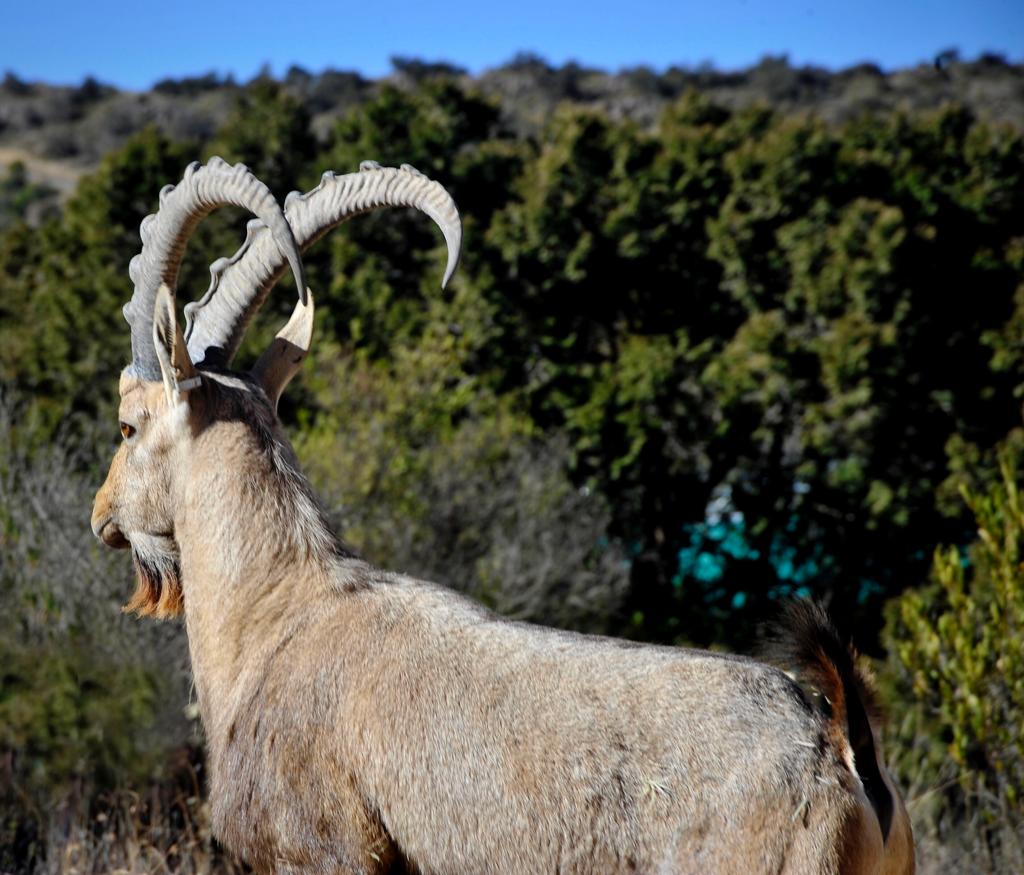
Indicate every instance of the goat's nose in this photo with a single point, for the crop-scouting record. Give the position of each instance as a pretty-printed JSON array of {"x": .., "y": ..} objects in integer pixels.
[{"x": 108, "y": 532}]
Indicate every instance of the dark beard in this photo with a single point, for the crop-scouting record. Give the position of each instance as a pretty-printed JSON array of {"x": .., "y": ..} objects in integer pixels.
[{"x": 158, "y": 593}]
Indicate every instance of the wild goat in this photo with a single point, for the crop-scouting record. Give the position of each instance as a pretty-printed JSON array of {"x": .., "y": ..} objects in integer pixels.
[{"x": 361, "y": 721}]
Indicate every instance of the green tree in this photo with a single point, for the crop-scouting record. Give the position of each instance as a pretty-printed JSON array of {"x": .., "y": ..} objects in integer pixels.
[
  {"x": 376, "y": 274},
  {"x": 269, "y": 132},
  {"x": 63, "y": 340}
]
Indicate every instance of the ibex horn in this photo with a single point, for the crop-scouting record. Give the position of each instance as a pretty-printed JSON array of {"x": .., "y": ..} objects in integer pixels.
[
  {"x": 165, "y": 235},
  {"x": 216, "y": 323}
]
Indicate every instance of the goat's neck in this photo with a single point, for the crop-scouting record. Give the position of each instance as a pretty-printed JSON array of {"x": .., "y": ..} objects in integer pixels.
[{"x": 253, "y": 547}]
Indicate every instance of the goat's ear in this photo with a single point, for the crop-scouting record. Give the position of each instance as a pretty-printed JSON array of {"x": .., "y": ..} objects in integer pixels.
[
  {"x": 283, "y": 358},
  {"x": 176, "y": 367}
]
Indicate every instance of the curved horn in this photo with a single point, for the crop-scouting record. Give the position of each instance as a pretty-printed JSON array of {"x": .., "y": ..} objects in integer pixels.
[
  {"x": 215, "y": 324},
  {"x": 165, "y": 234}
]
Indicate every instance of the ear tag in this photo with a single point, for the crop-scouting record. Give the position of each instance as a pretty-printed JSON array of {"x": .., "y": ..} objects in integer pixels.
[{"x": 190, "y": 383}]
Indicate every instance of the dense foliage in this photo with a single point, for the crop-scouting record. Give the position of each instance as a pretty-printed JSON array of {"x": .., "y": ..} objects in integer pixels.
[
  {"x": 685, "y": 370},
  {"x": 958, "y": 660}
]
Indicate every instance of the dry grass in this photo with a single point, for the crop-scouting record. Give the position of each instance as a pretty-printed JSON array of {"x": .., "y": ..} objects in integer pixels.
[
  {"x": 164, "y": 830},
  {"x": 985, "y": 845}
]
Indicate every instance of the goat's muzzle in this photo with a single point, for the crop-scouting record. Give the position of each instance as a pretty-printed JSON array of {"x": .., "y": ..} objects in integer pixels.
[{"x": 109, "y": 533}]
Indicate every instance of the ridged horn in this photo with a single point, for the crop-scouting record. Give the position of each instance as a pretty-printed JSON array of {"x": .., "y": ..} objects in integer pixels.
[
  {"x": 215, "y": 324},
  {"x": 166, "y": 232}
]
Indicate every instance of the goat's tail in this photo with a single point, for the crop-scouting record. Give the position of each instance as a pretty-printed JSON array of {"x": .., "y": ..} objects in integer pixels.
[{"x": 807, "y": 643}]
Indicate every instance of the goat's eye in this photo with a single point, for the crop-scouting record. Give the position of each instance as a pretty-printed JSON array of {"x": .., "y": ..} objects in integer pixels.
[{"x": 127, "y": 430}]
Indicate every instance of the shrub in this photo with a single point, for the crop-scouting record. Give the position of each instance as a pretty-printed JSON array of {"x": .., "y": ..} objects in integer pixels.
[
  {"x": 89, "y": 699},
  {"x": 957, "y": 654}
]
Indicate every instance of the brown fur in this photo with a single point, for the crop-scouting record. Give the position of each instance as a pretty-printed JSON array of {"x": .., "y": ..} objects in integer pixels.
[
  {"x": 805, "y": 639},
  {"x": 360, "y": 721},
  {"x": 158, "y": 591}
]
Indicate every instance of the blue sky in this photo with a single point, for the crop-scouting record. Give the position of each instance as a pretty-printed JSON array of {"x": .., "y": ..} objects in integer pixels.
[{"x": 134, "y": 44}]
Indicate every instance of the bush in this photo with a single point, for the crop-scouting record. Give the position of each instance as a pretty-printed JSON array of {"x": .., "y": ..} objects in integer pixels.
[
  {"x": 957, "y": 654},
  {"x": 90, "y": 701},
  {"x": 431, "y": 474}
]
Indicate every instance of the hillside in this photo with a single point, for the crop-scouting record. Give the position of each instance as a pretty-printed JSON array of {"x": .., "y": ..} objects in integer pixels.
[{"x": 59, "y": 131}]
